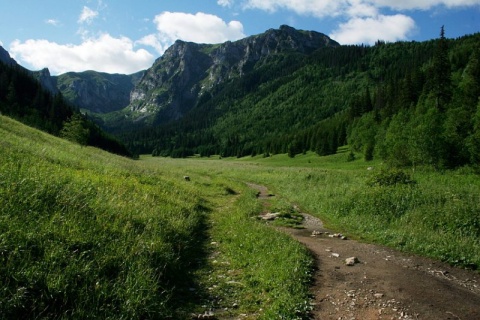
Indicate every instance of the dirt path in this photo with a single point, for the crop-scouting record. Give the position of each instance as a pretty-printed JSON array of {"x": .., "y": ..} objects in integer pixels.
[{"x": 384, "y": 284}]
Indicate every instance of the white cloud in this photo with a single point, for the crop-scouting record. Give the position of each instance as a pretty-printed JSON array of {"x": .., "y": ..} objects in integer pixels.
[
  {"x": 104, "y": 53},
  {"x": 358, "y": 8},
  {"x": 200, "y": 28},
  {"x": 52, "y": 22},
  {"x": 153, "y": 41},
  {"x": 369, "y": 30},
  {"x": 225, "y": 3},
  {"x": 328, "y": 8},
  {"x": 423, "y": 4},
  {"x": 87, "y": 15}
]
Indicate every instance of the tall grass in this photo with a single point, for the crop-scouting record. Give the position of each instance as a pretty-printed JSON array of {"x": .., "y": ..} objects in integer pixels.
[
  {"x": 84, "y": 234},
  {"x": 272, "y": 270},
  {"x": 253, "y": 267}
]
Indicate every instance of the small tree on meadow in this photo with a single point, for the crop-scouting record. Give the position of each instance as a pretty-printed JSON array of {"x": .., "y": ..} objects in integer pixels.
[{"x": 74, "y": 130}]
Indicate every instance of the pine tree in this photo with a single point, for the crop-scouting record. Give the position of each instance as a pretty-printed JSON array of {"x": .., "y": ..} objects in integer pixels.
[{"x": 442, "y": 83}]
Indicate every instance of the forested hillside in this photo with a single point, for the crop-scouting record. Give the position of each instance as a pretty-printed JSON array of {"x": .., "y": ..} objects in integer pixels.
[
  {"x": 23, "y": 97},
  {"x": 410, "y": 103},
  {"x": 428, "y": 116}
]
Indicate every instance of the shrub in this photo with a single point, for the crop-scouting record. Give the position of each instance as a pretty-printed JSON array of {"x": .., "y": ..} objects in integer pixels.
[
  {"x": 390, "y": 177},
  {"x": 351, "y": 157}
]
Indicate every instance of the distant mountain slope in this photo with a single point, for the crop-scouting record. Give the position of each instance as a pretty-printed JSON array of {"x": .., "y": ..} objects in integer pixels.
[
  {"x": 47, "y": 81},
  {"x": 177, "y": 81},
  {"x": 97, "y": 92},
  {"x": 410, "y": 103},
  {"x": 25, "y": 98},
  {"x": 43, "y": 75},
  {"x": 5, "y": 57}
]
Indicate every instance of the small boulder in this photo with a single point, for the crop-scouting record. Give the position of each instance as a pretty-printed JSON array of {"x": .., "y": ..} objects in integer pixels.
[
  {"x": 351, "y": 261},
  {"x": 269, "y": 216}
]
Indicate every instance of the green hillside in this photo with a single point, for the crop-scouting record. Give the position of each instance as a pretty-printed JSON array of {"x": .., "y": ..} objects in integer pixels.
[
  {"x": 370, "y": 97},
  {"x": 85, "y": 234}
]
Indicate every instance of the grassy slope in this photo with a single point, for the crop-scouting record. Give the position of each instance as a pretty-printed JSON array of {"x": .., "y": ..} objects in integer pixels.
[{"x": 84, "y": 234}]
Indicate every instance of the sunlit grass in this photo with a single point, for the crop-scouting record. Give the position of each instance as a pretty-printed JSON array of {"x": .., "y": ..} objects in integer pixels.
[
  {"x": 88, "y": 234},
  {"x": 438, "y": 216},
  {"x": 84, "y": 233}
]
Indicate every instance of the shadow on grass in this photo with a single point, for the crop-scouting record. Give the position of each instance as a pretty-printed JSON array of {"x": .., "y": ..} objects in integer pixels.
[{"x": 188, "y": 293}]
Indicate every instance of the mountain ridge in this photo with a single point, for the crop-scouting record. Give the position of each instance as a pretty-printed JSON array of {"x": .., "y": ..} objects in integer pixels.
[
  {"x": 97, "y": 92},
  {"x": 43, "y": 76},
  {"x": 177, "y": 80},
  {"x": 287, "y": 90}
]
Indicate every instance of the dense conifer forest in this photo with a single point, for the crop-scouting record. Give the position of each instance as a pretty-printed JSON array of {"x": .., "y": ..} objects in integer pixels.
[{"x": 410, "y": 103}]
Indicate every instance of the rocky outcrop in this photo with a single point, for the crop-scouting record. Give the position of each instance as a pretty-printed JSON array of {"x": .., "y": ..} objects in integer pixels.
[
  {"x": 178, "y": 79},
  {"x": 47, "y": 81},
  {"x": 175, "y": 82}
]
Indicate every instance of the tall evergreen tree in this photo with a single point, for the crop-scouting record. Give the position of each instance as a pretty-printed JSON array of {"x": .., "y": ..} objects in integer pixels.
[{"x": 441, "y": 76}]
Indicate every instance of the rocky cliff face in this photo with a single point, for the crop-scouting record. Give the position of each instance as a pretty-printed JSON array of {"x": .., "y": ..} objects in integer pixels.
[
  {"x": 47, "y": 81},
  {"x": 97, "y": 92},
  {"x": 177, "y": 80}
]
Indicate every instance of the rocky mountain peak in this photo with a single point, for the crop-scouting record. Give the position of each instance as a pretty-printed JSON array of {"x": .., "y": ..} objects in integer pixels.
[
  {"x": 5, "y": 57},
  {"x": 47, "y": 81}
]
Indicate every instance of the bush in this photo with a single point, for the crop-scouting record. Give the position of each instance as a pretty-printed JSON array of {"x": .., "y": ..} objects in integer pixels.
[
  {"x": 351, "y": 157},
  {"x": 391, "y": 177}
]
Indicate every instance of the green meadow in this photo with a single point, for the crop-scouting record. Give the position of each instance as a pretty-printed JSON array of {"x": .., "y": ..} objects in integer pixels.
[{"x": 86, "y": 234}]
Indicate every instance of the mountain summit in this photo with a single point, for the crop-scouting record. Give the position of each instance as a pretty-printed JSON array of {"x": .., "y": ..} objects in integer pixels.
[
  {"x": 43, "y": 76},
  {"x": 5, "y": 57},
  {"x": 176, "y": 81}
]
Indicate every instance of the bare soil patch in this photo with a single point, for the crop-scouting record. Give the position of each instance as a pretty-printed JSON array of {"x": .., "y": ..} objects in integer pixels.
[{"x": 385, "y": 283}]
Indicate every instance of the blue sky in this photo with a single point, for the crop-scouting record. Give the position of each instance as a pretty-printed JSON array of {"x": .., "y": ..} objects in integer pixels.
[{"x": 125, "y": 36}]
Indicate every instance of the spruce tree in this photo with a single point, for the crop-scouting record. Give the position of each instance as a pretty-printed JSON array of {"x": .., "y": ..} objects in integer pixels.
[{"x": 442, "y": 83}]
